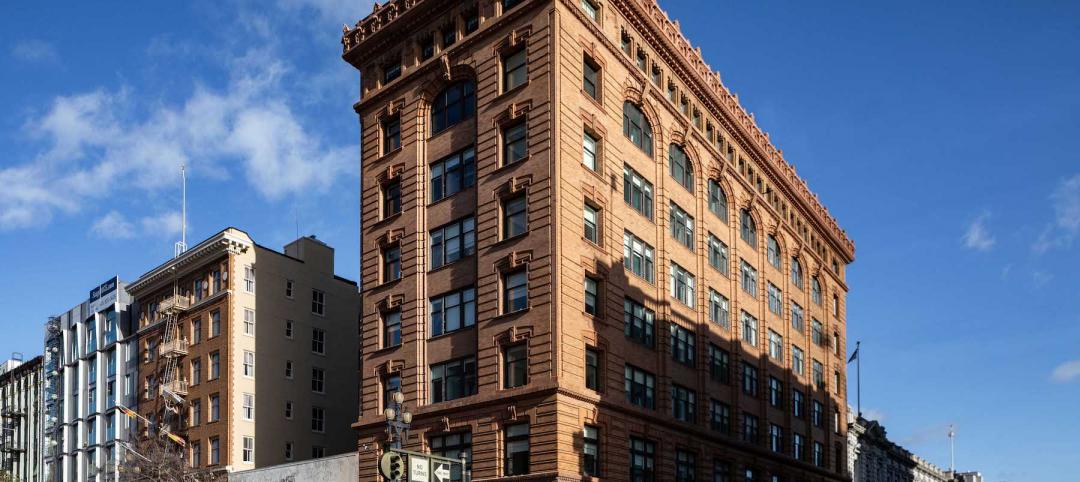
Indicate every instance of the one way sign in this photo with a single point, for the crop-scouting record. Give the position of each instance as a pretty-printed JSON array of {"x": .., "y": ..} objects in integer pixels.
[{"x": 441, "y": 471}]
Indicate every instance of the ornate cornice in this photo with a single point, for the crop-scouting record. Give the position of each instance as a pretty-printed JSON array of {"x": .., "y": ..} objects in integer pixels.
[
  {"x": 649, "y": 19},
  {"x": 230, "y": 240}
]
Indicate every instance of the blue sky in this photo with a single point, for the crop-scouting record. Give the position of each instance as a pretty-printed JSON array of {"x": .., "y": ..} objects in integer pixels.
[{"x": 940, "y": 134}]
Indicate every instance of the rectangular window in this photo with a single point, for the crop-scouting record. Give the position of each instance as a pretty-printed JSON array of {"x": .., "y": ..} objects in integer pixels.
[
  {"x": 288, "y": 369},
  {"x": 638, "y": 322},
  {"x": 722, "y": 471},
  {"x": 749, "y": 278},
  {"x": 797, "y": 320},
  {"x": 798, "y": 404},
  {"x": 515, "y": 291},
  {"x": 391, "y": 130},
  {"x": 215, "y": 365},
  {"x": 516, "y": 449},
  {"x": 719, "y": 364},
  {"x": 719, "y": 311},
  {"x": 289, "y": 288},
  {"x": 749, "y": 379},
  {"x": 590, "y": 449},
  {"x": 776, "y": 300},
  {"x": 249, "y": 364},
  {"x": 589, "y": 150},
  {"x": 453, "y": 379},
  {"x": 776, "y": 347},
  {"x": 196, "y": 454},
  {"x": 318, "y": 380},
  {"x": 515, "y": 366},
  {"x": 515, "y": 219},
  {"x": 656, "y": 74},
  {"x": 819, "y": 375},
  {"x": 590, "y": 81},
  {"x": 515, "y": 69},
  {"x": 683, "y": 403},
  {"x": 593, "y": 12},
  {"x": 318, "y": 341},
  {"x": 718, "y": 254},
  {"x": 288, "y": 410},
  {"x": 685, "y": 466},
  {"x": 452, "y": 242},
  {"x": 249, "y": 279},
  {"x": 637, "y": 192},
  {"x": 776, "y": 392},
  {"x": 391, "y": 384},
  {"x": 819, "y": 454},
  {"x": 682, "y": 226},
  {"x": 640, "y": 387},
  {"x": 391, "y": 328},
  {"x": 453, "y": 174},
  {"x": 718, "y": 201},
  {"x": 641, "y": 60},
  {"x": 592, "y": 295},
  {"x": 682, "y": 285},
  {"x": 196, "y": 371},
  {"x": 797, "y": 360},
  {"x": 592, "y": 369},
  {"x": 196, "y": 412},
  {"x": 515, "y": 139},
  {"x": 776, "y": 438},
  {"x": 318, "y": 421},
  {"x": 750, "y": 428},
  {"x": 248, "y": 406},
  {"x": 391, "y": 269},
  {"x": 249, "y": 322},
  {"x": 215, "y": 323},
  {"x": 288, "y": 328},
  {"x": 288, "y": 450},
  {"x": 453, "y": 311},
  {"x": 196, "y": 330},
  {"x": 215, "y": 451},
  {"x": 591, "y": 219},
  {"x": 642, "y": 460},
  {"x": 638, "y": 256},
  {"x": 682, "y": 345},
  {"x": 391, "y": 71},
  {"x": 720, "y": 416},
  {"x": 449, "y": 36},
  {"x": 817, "y": 332},
  {"x": 391, "y": 199},
  {"x": 749, "y": 329},
  {"x": 454, "y": 446},
  {"x": 472, "y": 20},
  {"x": 798, "y": 446},
  {"x": 772, "y": 252},
  {"x": 817, "y": 414},
  {"x": 215, "y": 407},
  {"x": 427, "y": 47}
]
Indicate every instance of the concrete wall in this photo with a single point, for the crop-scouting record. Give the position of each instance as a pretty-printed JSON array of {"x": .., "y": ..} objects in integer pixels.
[{"x": 329, "y": 469}]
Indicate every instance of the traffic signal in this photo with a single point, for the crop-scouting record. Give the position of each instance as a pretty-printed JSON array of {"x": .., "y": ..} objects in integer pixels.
[{"x": 391, "y": 465}]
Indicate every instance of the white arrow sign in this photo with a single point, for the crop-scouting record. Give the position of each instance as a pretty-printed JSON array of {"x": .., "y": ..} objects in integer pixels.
[{"x": 441, "y": 472}]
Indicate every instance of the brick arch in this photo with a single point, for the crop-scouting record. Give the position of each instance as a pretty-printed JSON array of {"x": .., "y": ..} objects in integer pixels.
[
  {"x": 636, "y": 95},
  {"x": 445, "y": 76}
]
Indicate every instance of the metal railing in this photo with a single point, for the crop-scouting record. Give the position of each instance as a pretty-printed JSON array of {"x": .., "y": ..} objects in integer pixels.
[{"x": 177, "y": 347}]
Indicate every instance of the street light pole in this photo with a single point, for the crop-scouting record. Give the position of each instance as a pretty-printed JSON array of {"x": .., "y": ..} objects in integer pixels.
[{"x": 398, "y": 420}]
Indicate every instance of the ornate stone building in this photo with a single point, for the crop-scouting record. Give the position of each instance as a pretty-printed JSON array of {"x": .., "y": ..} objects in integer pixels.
[
  {"x": 872, "y": 457},
  {"x": 581, "y": 257},
  {"x": 20, "y": 419}
]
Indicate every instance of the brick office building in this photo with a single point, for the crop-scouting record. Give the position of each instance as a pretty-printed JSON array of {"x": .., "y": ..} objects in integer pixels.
[{"x": 581, "y": 257}]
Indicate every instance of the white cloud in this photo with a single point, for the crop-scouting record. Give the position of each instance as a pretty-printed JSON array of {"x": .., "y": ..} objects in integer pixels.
[
  {"x": 978, "y": 237},
  {"x": 34, "y": 51},
  {"x": 90, "y": 140},
  {"x": 165, "y": 225},
  {"x": 1066, "y": 372},
  {"x": 1066, "y": 225},
  {"x": 113, "y": 225}
]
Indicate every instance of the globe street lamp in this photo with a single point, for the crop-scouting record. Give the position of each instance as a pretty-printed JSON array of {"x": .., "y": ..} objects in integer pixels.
[{"x": 398, "y": 419}]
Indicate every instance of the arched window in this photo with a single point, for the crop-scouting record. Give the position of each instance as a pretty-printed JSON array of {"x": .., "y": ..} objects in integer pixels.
[
  {"x": 773, "y": 251},
  {"x": 681, "y": 167},
  {"x": 454, "y": 104},
  {"x": 717, "y": 200},
  {"x": 796, "y": 272},
  {"x": 815, "y": 290},
  {"x": 636, "y": 127},
  {"x": 749, "y": 229}
]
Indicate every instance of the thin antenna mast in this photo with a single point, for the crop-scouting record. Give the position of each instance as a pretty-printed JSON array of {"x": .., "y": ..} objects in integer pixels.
[
  {"x": 181, "y": 246},
  {"x": 952, "y": 449}
]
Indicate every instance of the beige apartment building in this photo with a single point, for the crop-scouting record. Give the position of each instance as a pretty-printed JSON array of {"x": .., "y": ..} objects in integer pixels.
[
  {"x": 249, "y": 354},
  {"x": 582, "y": 259}
]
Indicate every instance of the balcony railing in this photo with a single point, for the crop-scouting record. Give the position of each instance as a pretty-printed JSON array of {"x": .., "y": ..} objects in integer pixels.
[
  {"x": 179, "y": 387},
  {"x": 176, "y": 347}
]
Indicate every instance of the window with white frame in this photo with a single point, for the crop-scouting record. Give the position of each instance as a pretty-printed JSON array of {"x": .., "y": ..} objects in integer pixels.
[
  {"x": 776, "y": 300},
  {"x": 750, "y": 329},
  {"x": 718, "y": 254},
  {"x": 719, "y": 309},
  {"x": 749, "y": 278},
  {"x": 249, "y": 406},
  {"x": 249, "y": 321},
  {"x": 318, "y": 302},
  {"x": 638, "y": 256},
  {"x": 249, "y": 364},
  {"x": 776, "y": 346},
  {"x": 249, "y": 278},
  {"x": 682, "y": 285},
  {"x": 318, "y": 380},
  {"x": 318, "y": 341},
  {"x": 682, "y": 226}
]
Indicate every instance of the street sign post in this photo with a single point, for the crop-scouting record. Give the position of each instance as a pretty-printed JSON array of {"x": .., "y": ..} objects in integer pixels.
[{"x": 420, "y": 466}]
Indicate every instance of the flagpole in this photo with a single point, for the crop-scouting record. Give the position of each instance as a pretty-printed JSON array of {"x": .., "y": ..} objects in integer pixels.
[{"x": 858, "y": 378}]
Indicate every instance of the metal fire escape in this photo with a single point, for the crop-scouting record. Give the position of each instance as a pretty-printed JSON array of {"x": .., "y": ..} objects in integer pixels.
[
  {"x": 10, "y": 448},
  {"x": 174, "y": 346},
  {"x": 53, "y": 393}
]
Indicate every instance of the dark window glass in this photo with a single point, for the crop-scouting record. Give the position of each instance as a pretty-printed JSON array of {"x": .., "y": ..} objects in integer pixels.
[
  {"x": 750, "y": 379},
  {"x": 638, "y": 322},
  {"x": 592, "y": 369},
  {"x": 452, "y": 242},
  {"x": 453, "y": 379},
  {"x": 453, "y": 174},
  {"x": 720, "y": 416},
  {"x": 685, "y": 466},
  {"x": 590, "y": 451},
  {"x": 637, "y": 127},
  {"x": 750, "y": 428},
  {"x": 515, "y": 366},
  {"x": 391, "y": 263},
  {"x": 454, "y": 104},
  {"x": 516, "y": 448},
  {"x": 453, "y": 311},
  {"x": 719, "y": 364},
  {"x": 515, "y": 291},
  {"x": 592, "y": 224},
  {"x": 642, "y": 460},
  {"x": 682, "y": 345},
  {"x": 683, "y": 403},
  {"x": 391, "y": 198},
  {"x": 391, "y": 71},
  {"x": 515, "y": 143},
  {"x": 717, "y": 200},
  {"x": 391, "y": 134},
  {"x": 637, "y": 192},
  {"x": 592, "y": 287},
  {"x": 515, "y": 217},
  {"x": 427, "y": 47},
  {"x": 681, "y": 167},
  {"x": 590, "y": 81},
  {"x": 640, "y": 387},
  {"x": 515, "y": 69},
  {"x": 391, "y": 328},
  {"x": 472, "y": 21},
  {"x": 749, "y": 229}
]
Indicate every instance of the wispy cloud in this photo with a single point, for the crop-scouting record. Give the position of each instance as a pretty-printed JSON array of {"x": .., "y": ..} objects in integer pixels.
[
  {"x": 1066, "y": 225},
  {"x": 1040, "y": 278},
  {"x": 1066, "y": 372},
  {"x": 90, "y": 139},
  {"x": 977, "y": 236},
  {"x": 923, "y": 435},
  {"x": 34, "y": 51},
  {"x": 113, "y": 225}
]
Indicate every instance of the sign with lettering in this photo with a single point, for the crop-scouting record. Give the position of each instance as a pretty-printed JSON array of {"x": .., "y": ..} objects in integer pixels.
[
  {"x": 104, "y": 296},
  {"x": 418, "y": 469}
]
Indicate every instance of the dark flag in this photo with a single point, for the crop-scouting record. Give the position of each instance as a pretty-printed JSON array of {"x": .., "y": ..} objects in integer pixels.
[{"x": 855, "y": 354}]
